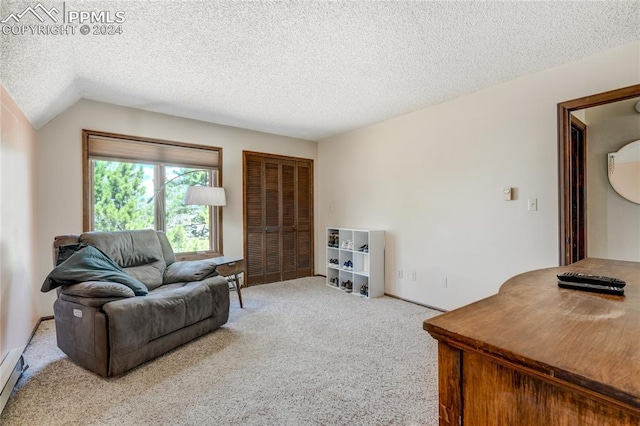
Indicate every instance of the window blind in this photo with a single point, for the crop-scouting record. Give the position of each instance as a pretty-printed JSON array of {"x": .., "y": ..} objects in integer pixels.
[{"x": 100, "y": 147}]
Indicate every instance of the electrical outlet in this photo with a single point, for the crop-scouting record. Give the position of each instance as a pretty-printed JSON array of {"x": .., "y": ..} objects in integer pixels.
[
  {"x": 532, "y": 204},
  {"x": 443, "y": 282},
  {"x": 414, "y": 276}
]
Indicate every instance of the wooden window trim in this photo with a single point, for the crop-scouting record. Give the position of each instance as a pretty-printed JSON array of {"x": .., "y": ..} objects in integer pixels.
[{"x": 87, "y": 173}]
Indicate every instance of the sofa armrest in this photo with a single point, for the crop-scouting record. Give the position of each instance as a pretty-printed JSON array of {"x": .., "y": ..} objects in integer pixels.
[
  {"x": 97, "y": 289},
  {"x": 94, "y": 293},
  {"x": 188, "y": 271}
]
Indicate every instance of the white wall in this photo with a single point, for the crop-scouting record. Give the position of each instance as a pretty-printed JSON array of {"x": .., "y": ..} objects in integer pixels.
[
  {"x": 59, "y": 163},
  {"x": 19, "y": 286},
  {"x": 613, "y": 223},
  {"x": 433, "y": 180}
]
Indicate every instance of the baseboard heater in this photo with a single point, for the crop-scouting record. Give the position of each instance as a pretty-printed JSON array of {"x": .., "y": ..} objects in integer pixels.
[{"x": 20, "y": 367}]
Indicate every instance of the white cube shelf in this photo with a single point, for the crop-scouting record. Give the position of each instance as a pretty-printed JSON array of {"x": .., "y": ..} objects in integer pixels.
[{"x": 355, "y": 256}]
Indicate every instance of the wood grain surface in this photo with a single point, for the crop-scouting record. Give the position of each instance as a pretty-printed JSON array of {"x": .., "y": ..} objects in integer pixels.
[{"x": 581, "y": 342}]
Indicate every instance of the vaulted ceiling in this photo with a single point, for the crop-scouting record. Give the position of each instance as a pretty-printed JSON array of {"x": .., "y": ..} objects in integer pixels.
[{"x": 303, "y": 69}]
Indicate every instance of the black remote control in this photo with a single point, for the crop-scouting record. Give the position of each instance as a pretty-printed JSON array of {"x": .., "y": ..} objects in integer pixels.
[
  {"x": 576, "y": 277},
  {"x": 618, "y": 291}
]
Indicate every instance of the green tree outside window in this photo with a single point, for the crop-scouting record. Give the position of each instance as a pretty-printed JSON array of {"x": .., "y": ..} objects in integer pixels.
[{"x": 121, "y": 202}]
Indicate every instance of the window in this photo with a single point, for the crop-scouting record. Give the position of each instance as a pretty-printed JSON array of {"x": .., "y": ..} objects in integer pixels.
[{"x": 138, "y": 183}]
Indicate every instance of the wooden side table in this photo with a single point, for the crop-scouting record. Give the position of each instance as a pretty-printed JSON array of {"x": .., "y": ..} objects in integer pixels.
[{"x": 230, "y": 267}]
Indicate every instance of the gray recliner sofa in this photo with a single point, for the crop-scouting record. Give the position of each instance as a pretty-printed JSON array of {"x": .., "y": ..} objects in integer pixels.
[{"x": 109, "y": 327}]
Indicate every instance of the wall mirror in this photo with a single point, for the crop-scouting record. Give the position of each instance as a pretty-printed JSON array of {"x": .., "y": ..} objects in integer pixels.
[{"x": 624, "y": 171}]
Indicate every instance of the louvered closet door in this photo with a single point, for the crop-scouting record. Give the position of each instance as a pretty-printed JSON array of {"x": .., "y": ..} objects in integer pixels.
[
  {"x": 304, "y": 219},
  {"x": 278, "y": 218},
  {"x": 254, "y": 220},
  {"x": 289, "y": 249},
  {"x": 272, "y": 221}
]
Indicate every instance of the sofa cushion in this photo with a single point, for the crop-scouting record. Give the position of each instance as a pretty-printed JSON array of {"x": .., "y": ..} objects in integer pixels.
[
  {"x": 90, "y": 264},
  {"x": 192, "y": 270},
  {"x": 167, "y": 250},
  {"x": 135, "y": 321},
  {"x": 139, "y": 253}
]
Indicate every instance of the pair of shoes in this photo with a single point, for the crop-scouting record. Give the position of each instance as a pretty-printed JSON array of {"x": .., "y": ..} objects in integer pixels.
[
  {"x": 364, "y": 248},
  {"x": 347, "y": 286},
  {"x": 347, "y": 245},
  {"x": 333, "y": 240},
  {"x": 334, "y": 262},
  {"x": 364, "y": 290},
  {"x": 348, "y": 265}
]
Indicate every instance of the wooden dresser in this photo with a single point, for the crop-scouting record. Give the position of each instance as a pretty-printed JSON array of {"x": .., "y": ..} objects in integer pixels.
[{"x": 535, "y": 354}]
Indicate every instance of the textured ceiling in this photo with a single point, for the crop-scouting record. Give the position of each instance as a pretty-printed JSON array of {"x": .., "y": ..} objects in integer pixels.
[{"x": 302, "y": 69}]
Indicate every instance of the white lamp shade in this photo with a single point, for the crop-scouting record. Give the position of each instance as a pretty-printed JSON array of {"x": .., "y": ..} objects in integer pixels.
[{"x": 205, "y": 196}]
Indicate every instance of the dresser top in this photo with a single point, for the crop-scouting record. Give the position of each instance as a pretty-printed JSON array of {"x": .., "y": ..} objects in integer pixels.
[{"x": 589, "y": 339}]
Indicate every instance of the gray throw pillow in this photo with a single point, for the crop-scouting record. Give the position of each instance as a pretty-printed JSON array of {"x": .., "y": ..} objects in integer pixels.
[
  {"x": 191, "y": 270},
  {"x": 98, "y": 289}
]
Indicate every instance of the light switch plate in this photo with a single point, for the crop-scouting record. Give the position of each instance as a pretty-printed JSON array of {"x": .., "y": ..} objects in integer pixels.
[{"x": 507, "y": 194}]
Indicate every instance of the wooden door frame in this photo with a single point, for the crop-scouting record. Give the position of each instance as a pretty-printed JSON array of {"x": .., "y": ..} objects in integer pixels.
[
  {"x": 246, "y": 154},
  {"x": 564, "y": 142},
  {"x": 581, "y": 242}
]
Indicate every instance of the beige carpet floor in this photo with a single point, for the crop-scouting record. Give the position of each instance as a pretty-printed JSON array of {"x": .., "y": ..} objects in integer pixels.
[{"x": 299, "y": 353}]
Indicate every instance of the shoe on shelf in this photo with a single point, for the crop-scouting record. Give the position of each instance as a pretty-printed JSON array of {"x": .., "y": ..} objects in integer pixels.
[
  {"x": 364, "y": 248},
  {"x": 348, "y": 286},
  {"x": 347, "y": 245},
  {"x": 350, "y": 265},
  {"x": 364, "y": 290}
]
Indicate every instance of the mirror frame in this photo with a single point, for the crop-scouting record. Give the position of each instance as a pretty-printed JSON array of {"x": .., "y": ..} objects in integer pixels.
[
  {"x": 611, "y": 157},
  {"x": 564, "y": 139}
]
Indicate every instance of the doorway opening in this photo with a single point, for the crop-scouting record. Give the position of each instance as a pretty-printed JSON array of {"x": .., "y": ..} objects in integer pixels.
[{"x": 572, "y": 215}]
